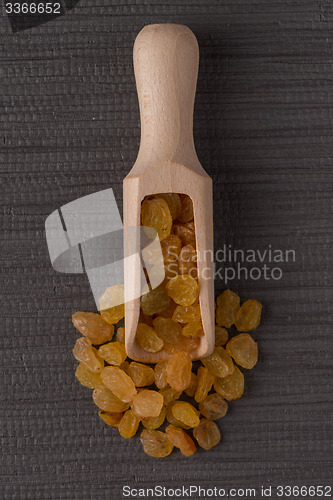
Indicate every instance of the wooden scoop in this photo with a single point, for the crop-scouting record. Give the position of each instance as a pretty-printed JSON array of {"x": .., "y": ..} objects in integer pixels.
[{"x": 166, "y": 58}]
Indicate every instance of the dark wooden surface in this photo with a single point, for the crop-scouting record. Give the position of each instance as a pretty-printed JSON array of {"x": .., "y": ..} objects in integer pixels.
[{"x": 263, "y": 131}]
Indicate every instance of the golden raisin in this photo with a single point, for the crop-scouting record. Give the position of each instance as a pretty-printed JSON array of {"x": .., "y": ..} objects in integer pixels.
[
  {"x": 221, "y": 336},
  {"x": 174, "y": 203},
  {"x": 213, "y": 407},
  {"x": 168, "y": 330},
  {"x": 193, "y": 329},
  {"x": 155, "y": 443},
  {"x": 179, "y": 438},
  {"x": 93, "y": 327},
  {"x": 187, "y": 314},
  {"x": 119, "y": 383},
  {"x": 144, "y": 318},
  {"x": 147, "y": 404},
  {"x": 178, "y": 371},
  {"x": 219, "y": 362},
  {"x": 231, "y": 387},
  {"x": 186, "y": 214},
  {"x": 248, "y": 316},
  {"x": 113, "y": 353},
  {"x": 207, "y": 434},
  {"x": 174, "y": 421},
  {"x": 128, "y": 425},
  {"x": 185, "y": 344},
  {"x": 160, "y": 374},
  {"x": 186, "y": 235},
  {"x": 87, "y": 355},
  {"x": 109, "y": 418},
  {"x": 111, "y": 304},
  {"x": 244, "y": 350},
  {"x": 227, "y": 308},
  {"x": 188, "y": 261},
  {"x": 183, "y": 289},
  {"x": 107, "y": 401},
  {"x": 191, "y": 389},
  {"x": 169, "y": 395},
  {"x": 148, "y": 338},
  {"x": 154, "y": 423},
  {"x": 142, "y": 375},
  {"x": 205, "y": 383},
  {"x": 155, "y": 213},
  {"x": 121, "y": 335},
  {"x": 168, "y": 312},
  {"x": 185, "y": 413},
  {"x": 87, "y": 378},
  {"x": 171, "y": 247},
  {"x": 155, "y": 301}
]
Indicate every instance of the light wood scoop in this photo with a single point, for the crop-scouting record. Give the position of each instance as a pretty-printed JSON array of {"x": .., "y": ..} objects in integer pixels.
[{"x": 166, "y": 58}]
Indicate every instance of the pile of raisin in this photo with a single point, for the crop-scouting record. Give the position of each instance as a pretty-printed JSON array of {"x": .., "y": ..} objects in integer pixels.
[{"x": 183, "y": 399}]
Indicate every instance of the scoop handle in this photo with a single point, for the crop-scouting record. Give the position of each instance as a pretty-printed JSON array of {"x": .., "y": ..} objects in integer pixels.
[{"x": 166, "y": 60}]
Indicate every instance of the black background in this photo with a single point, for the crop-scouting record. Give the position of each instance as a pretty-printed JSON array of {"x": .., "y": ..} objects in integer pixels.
[{"x": 263, "y": 131}]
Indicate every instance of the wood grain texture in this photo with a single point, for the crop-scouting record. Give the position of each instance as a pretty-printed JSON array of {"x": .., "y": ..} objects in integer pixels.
[{"x": 263, "y": 131}]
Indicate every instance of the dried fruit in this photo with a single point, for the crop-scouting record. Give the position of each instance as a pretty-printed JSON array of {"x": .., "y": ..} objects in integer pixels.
[
  {"x": 173, "y": 421},
  {"x": 155, "y": 213},
  {"x": 93, "y": 327},
  {"x": 207, "y": 434},
  {"x": 248, "y": 316},
  {"x": 111, "y": 304},
  {"x": 155, "y": 443},
  {"x": 109, "y": 418},
  {"x": 168, "y": 330},
  {"x": 178, "y": 370},
  {"x": 244, "y": 350},
  {"x": 186, "y": 214},
  {"x": 168, "y": 312},
  {"x": 187, "y": 314},
  {"x": 155, "y": 422},
  {"x": 194, "y": 329},
  {"x": 173, "y": 201},
  {"x": 185, "y": 413},
  {"x": 185, "y": 233},
  {"x": 148, "y": 338},
  {"x": 121, "y": 335},
  {"x": 221, "y": 336},
  {"x": 87, "y": 378},
  {"x": 155, "y": 301},
  {"x": 188, "y": 261},
  {"x": 147, "y": 404},
  {"x": 128, "y": 425},
  {"x": 171, "y": 247},
  {"x": 231, "y": 387},
  {"x": 169, "y": 395},
  {"x": 205, "y": 383},
  {"x": 144, "y": 318},
  {"x": 213, "y": 407},
  {"x": 191, "y": 389},
  {"x": 179, "y": 438},
  {"x": 87, "y": 355},
  {"x": 113, "y": 353},
  {"x": 142, "y": 375},
  {"x": 171, "y": 270},
  {"x": 107, "y": 401},
  {"x": 160, "y": 374},
  {"x": 183, "y": 289},
  {"x": 119, "y": 383},
  {"x": 227, "y": 308},
  {"x": 219, "y": 362},
  {"x": 185, "y": 344}
]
